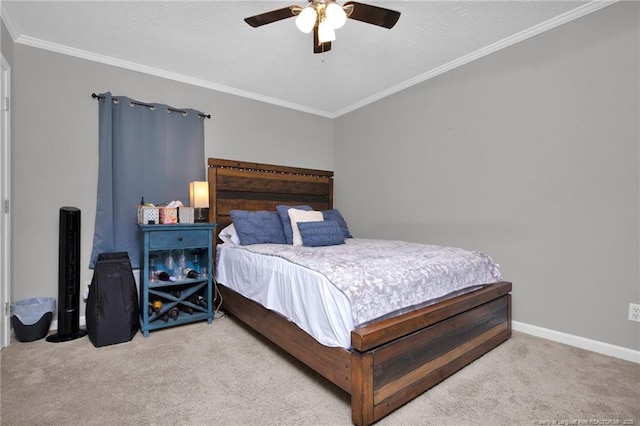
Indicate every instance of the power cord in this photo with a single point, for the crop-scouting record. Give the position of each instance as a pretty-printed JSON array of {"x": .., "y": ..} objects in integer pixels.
[{"x": 217, "y": 313}]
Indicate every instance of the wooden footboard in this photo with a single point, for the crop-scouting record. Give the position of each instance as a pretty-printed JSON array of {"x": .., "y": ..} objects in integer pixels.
[
  {"x": 397, "y": 359},
  {"x": 392, "y": 368}
]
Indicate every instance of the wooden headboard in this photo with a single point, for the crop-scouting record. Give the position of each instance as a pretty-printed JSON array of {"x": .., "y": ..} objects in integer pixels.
[{"x": 240, "y": 185}]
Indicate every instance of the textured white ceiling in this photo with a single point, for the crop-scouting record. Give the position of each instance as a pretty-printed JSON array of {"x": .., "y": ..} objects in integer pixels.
[{"x": 207, "y": 43}]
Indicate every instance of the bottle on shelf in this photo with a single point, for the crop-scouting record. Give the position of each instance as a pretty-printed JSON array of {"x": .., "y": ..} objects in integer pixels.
[
  {"x": 173, "y": 313},
  {"x": 191, "y": 273},
  {"x": 196, "y": 259},
  {"x": 154, "y": 306},
  {"x": 185, "y": 308},
  {"x": 198, "y": 300},
  {"x": 164, "y": 276}
]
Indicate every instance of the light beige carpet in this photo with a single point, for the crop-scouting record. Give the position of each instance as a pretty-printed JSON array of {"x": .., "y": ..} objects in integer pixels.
[{"x": 223, "y": 374}]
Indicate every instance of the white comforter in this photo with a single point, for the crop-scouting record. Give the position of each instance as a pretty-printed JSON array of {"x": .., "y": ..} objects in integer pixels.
[{"x": 379, "y": 277}]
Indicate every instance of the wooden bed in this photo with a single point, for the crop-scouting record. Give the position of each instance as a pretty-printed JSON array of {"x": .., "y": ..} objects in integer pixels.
[{"x": 391, "y": 361}]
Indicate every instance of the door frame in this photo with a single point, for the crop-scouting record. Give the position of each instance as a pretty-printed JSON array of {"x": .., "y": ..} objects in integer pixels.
[{"x": 5, "y": 206}]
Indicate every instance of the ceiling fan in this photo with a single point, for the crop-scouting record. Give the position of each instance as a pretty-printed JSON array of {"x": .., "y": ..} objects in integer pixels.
[{"x": 323, "y": 17}]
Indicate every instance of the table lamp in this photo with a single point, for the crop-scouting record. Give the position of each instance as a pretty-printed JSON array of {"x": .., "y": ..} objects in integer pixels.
[{"x": 199, "y": 200}]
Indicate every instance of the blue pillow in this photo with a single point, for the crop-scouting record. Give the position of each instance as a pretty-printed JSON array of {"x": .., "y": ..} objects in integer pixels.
[
  {"x": 324, "y": 233},
  {"x": 335, "y": 215},
  {"x": 283, "y": 212},
  {"x": 259, "y": 227}
]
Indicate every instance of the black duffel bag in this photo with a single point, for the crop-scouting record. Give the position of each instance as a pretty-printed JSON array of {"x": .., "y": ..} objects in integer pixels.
[{"x": 112, "y": 313}]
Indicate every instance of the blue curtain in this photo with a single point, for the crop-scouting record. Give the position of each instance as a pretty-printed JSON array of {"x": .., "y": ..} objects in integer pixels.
[{"x": 146, "y": 150}]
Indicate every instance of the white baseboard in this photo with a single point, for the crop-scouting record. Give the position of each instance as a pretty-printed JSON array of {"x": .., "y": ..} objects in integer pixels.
[
  {"x": 579, "y": 342},
  {"x": 545, "y": 333}
]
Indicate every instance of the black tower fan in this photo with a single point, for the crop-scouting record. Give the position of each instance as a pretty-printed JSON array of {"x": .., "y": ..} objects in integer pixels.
[{"x": 68, "y": 277}]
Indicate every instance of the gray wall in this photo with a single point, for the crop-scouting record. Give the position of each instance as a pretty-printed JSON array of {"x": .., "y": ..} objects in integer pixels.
[
  {"x": 55, "y": 147},
  {"x": 529, "y": 154},
  {"x": 7, "y": 43}
]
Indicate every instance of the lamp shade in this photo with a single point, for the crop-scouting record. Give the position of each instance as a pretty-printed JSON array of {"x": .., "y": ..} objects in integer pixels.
[{"x": 199, "y": 194}]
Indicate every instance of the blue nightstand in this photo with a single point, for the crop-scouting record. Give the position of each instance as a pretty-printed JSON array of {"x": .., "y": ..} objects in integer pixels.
[{"x": 166, "y": 303}]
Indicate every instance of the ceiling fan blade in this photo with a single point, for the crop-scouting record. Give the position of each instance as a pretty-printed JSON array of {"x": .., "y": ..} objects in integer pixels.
[
  {"x": 317, "y": 46},
  {"x": 374, "y": 15},
  {"x": 269, "y": 17}
]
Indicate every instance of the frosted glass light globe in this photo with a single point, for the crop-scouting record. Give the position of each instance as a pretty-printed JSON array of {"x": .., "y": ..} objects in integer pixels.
[
  {"x": 326, "y": 32},
  {"x": 306, "y": 20},
  {"x": 335, "y": 15}
]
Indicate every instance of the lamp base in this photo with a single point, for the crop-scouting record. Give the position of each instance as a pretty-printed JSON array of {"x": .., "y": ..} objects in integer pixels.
[{"x": 201, "y": 214}]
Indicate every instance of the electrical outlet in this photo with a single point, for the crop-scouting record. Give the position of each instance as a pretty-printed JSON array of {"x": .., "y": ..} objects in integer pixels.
[{"x": 634, "y": 312}]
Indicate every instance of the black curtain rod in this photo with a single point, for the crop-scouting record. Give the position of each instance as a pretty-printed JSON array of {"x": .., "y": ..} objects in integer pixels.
[{"x": 94, "y": 96}]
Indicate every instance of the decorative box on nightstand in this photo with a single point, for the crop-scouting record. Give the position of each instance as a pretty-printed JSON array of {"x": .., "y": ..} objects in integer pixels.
[{"x": 176, "y": 271}]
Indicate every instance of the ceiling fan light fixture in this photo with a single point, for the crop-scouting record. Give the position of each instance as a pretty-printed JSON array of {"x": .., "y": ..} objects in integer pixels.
[
  {"x": 306, "y": 20},
  {"x": 326, "y": 32},
  {"x": 335, "y": 15},
  {"x": 323, "y": 17}
]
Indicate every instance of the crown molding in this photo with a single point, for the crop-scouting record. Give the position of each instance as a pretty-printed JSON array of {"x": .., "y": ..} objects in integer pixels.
[
  {"x": 487, "y": 50},
  {"x": 8, "y": 22},
  {"x": 132, "y": 66},
  {"x": 579, "y": 12}
]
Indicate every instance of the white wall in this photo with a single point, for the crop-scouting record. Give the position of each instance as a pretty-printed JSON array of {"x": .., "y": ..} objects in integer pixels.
[
  {"x": 55, "y": 148},
  {"x": 529, "y": 154}
]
